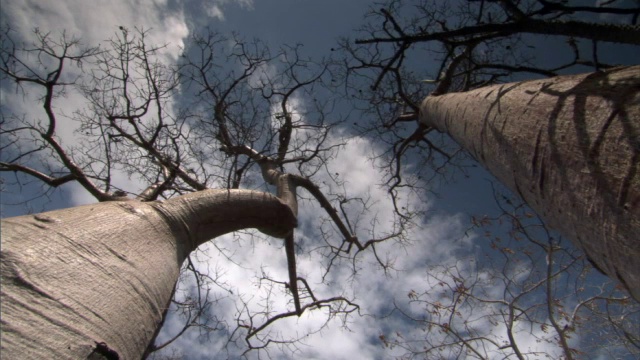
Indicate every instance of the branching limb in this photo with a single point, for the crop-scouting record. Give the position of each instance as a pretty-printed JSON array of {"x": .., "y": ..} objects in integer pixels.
[
  {"x": 49, "y": 180},
  {"x": 289, "y": 246},
  {"x": 629, "y": 34}
]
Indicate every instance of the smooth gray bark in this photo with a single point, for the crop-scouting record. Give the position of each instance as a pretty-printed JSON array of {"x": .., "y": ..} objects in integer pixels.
[
  {"x": 570, "y": 147},
  {"x": 104, "y": 273}
]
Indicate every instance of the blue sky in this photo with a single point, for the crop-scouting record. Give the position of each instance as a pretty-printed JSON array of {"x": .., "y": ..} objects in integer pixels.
[{"x": 443, "y": 237}]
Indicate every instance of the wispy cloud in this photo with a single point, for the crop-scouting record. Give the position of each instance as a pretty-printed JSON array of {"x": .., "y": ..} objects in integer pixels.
[
  {"x": 214, "y": 11},
  {"x": 92, "y": 23},
  {"x": 215, "y": 8}
]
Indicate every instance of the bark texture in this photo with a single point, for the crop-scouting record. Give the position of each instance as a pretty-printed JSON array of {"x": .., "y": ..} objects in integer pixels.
[
  {"x": 95, "y": 280},
  {"x": 570, "y": 147}
]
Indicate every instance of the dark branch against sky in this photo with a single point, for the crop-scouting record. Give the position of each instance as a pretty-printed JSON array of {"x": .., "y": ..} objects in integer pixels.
[{"x": 444, "y": 233}]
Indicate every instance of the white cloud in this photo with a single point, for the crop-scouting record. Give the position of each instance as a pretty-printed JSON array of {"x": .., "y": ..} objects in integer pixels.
[
  {"x": 214, "y": 8},
  {"x": 214, "y": 11},
  {"x": 93, "y": 22},
  {"x": 371, "y": 289},
  {"x": 374, "y": 290}
]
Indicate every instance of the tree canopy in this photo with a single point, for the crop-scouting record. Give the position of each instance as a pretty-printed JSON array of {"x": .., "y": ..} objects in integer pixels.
[{"x": 382, "y": 247}]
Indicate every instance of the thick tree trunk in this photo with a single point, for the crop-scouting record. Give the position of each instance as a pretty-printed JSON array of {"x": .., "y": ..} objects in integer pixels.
[
  {"x": 96, "y": 279},
  {"x": 570, "y": 147}
]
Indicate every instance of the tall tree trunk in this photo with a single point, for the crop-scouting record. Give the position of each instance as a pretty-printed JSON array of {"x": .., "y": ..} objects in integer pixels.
[
  {"x": 570, "y": 147},
  {"x": 96, "y": 279}
]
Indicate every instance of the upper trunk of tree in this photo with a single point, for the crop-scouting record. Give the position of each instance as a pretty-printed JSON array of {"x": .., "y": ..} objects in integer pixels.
[
  {"x": 570, "y": 147},
  {"x": 104, "y": 273}
]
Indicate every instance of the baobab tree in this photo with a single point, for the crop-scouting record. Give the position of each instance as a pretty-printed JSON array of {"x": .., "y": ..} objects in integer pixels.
[
  {"x": 90, "y": 266},
  {"x": 423, "y": 63},
  {"x": 486, "y": 123},
  {"x": 76, "y": 282},
  {"x": 481, "y": 42},
  {"x": 243, "y": 128},
  {"x": 568, "y": 147}
]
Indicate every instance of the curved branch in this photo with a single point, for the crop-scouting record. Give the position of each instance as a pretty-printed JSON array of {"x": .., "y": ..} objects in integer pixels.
[
  {"x": 289, "y": 246},
  {"x": 622, "y": 34},
  {"x": 314, "y": 190},
  {"x": 51, "y": 181}
]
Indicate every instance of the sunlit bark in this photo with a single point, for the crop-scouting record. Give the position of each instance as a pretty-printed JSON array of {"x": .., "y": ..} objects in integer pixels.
[
  {"x": 98, "y": 278},
  {"x": 570, "y": 147}
]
